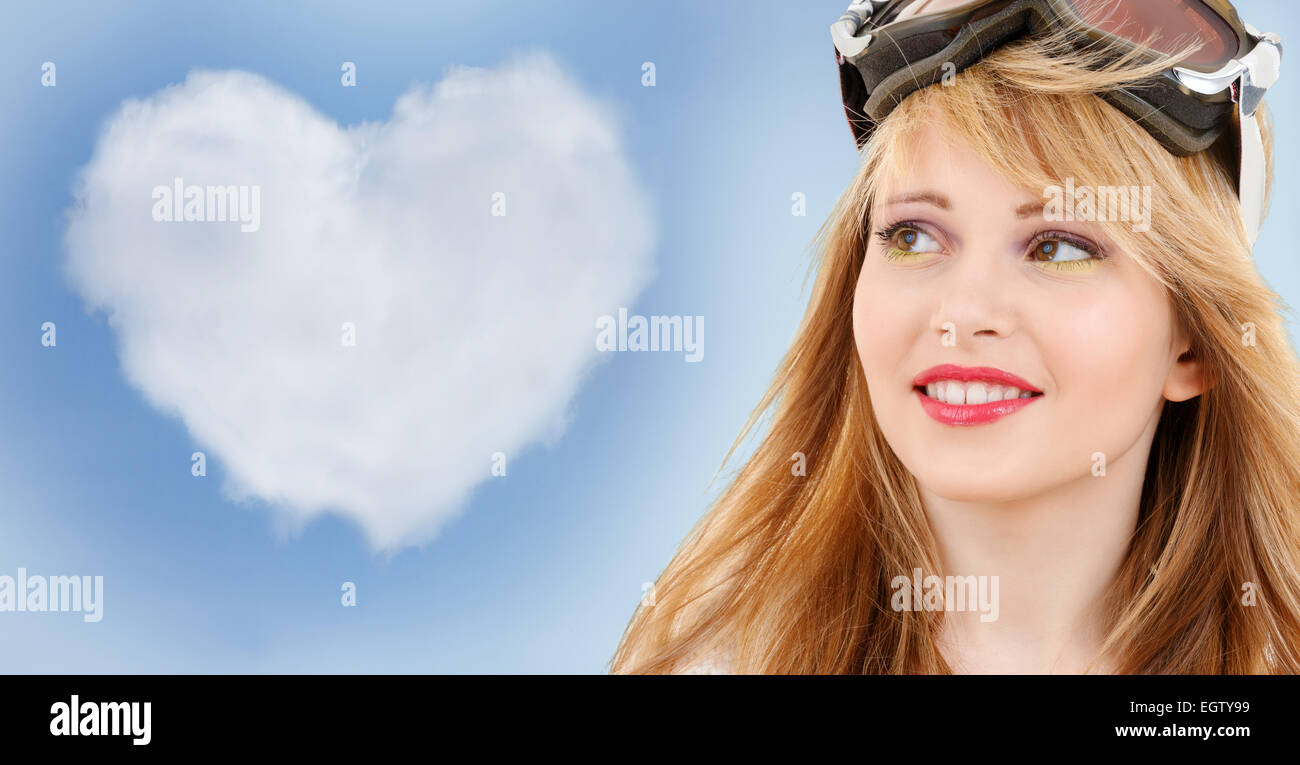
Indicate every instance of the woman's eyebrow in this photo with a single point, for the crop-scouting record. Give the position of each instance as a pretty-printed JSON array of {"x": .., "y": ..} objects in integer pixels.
[
  {"x": 939, "y": 200},
  {"x": 933, "y": 197},
  {"x": 1030, "y": 208}
]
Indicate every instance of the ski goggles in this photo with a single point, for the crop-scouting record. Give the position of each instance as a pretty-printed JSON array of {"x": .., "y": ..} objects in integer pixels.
[{"x": 886, "y": 49}]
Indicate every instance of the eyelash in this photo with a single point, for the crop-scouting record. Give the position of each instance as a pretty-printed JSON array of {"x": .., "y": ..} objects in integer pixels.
[{"x": 886, "y": 235}]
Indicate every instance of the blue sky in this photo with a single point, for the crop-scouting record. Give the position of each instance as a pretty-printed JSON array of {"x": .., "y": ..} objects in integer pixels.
[{"x": 542, "y": 570}]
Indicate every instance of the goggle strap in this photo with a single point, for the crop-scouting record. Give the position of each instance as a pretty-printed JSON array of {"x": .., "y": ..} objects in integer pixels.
[{"x": 1251, "y": 181}]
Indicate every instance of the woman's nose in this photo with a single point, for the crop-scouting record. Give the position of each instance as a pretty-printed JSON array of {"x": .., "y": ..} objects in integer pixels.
[{"x": 975, "y": 297}]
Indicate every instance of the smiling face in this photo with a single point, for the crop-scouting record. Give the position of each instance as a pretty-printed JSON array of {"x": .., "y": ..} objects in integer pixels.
[{"x": 962, "y": 268}]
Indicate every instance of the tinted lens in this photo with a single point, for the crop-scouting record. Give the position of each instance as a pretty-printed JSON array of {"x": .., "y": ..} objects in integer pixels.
[{"x": 1177, "y": 22}]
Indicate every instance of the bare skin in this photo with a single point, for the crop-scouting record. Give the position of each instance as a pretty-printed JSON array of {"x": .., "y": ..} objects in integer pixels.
[{"x": 1017, "y": 498}]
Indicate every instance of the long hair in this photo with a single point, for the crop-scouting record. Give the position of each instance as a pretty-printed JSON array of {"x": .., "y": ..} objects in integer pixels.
[{"x": 791, "y": 573}]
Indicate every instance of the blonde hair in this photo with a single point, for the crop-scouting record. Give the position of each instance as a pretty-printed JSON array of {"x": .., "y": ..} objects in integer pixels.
[{"x": 790, "y": 574}]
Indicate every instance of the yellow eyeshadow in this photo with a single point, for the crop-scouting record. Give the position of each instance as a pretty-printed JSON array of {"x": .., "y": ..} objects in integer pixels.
[{"x": 1085, "y": 264}]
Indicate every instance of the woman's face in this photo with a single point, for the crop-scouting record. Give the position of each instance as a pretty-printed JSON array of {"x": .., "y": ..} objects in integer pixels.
[{"x": 979, "y": 278}]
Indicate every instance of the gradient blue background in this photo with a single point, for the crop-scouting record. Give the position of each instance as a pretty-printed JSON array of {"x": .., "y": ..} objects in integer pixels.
[{"x": 544, "y": 569}]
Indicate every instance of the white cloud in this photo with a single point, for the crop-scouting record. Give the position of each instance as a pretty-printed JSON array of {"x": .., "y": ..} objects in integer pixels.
[{"x": 473, "y": 331}]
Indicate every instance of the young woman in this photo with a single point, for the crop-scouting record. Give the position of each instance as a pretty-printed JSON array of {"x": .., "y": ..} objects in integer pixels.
[{"x": 1087, "y": 415}]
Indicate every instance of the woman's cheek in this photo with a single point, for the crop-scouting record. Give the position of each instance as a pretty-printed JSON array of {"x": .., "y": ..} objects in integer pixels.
[
  {"x": 1103, "y": 380},
  {"x": 872, "y": 329}
]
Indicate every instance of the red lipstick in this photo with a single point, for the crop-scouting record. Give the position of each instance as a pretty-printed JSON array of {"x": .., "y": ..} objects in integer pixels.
[
  {"x": 972, "y": 414},
  {"x": 972, "y": 374}
]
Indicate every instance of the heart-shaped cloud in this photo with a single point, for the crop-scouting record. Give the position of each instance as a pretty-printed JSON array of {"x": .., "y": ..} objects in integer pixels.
[{"x": 472, "y": 329}]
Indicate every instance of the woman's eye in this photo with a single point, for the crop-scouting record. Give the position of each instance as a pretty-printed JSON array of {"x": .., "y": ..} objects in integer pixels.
[
  {"x": 1062, "y": 255},
  {"x": 905, "y": 241}
]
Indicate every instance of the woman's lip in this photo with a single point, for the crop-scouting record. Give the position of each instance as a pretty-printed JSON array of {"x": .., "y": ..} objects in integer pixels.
[
  {"x": 972, "y": 374},
  {"x": 971, "y": 414}
]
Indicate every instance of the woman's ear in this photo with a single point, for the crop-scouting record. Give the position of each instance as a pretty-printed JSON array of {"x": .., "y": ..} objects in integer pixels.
[{"x": 1186, "y": 378}]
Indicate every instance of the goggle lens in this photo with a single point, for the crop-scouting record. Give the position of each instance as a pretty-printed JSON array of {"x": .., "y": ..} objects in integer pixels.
[
  {"x": 1171, "y": 24},
  {"x": 1174, "y": 22}
]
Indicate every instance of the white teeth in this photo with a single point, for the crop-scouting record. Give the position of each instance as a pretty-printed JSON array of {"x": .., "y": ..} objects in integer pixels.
[{"x": 973, "y": 393}]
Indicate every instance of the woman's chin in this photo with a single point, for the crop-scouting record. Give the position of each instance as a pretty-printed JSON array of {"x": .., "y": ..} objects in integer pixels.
[{"x": 995, "y": 483}]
